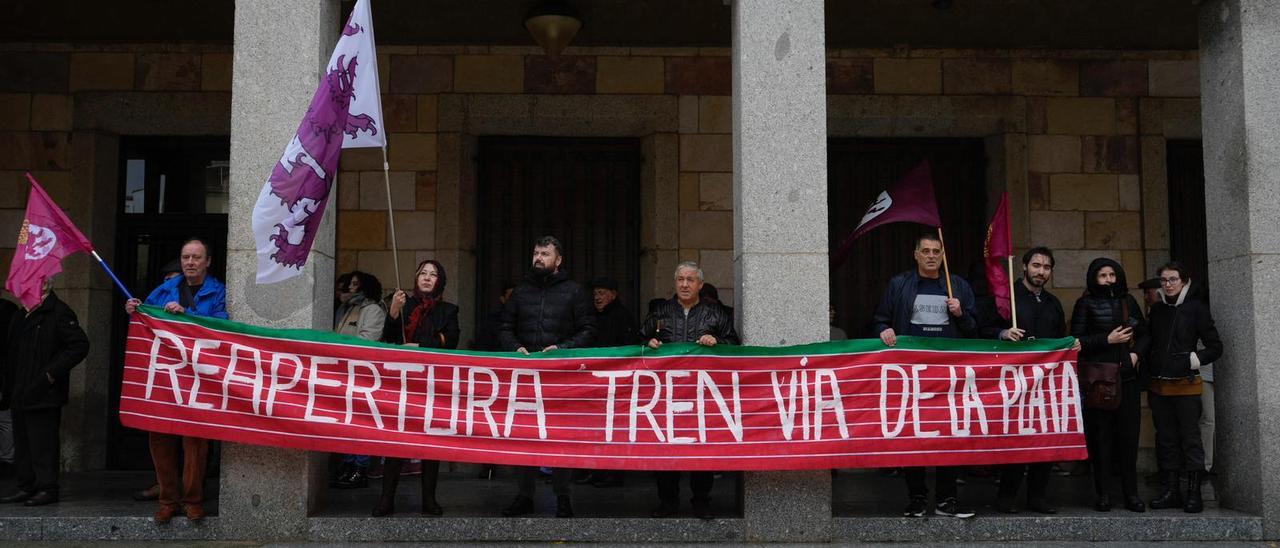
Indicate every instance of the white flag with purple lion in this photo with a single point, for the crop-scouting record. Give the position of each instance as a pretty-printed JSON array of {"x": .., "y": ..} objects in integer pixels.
[{"x": 345, "y": 112}]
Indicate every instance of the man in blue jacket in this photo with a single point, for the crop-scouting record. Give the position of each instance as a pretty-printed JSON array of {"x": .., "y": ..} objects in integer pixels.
[
  {"x": 917, "y": 304},
  {"x": 194, "y": 292}
]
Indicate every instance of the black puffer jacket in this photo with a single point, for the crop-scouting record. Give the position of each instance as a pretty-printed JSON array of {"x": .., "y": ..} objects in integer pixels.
[
  {"x": 548, "y": 311},
  {"x": 49, "y": 341},
  {"x": 1099, "y": 311},
  {"x": 670, "y": 324},
  {"x": 615, "y": 326},
  {"x": 1176, "y": 326}
]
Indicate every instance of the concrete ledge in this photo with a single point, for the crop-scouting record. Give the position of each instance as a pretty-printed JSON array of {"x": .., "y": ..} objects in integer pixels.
[
  {"x": 76, "y": 528},
  {"x": 622, "y": 530},
  {"x": 1231, "y": 526}
]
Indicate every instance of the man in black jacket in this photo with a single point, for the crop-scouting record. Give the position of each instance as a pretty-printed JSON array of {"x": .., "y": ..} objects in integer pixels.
[
  {"x": 615, "y": 325},
  {"x": 1179, "y": 321},
  {"x": 547, "y": 311},
  {"x": 917, "y": 303},
  {"x": 1040, "y": 316},
  {"x": 42, "y": 345},
  {"x": 687, "y": 318}
]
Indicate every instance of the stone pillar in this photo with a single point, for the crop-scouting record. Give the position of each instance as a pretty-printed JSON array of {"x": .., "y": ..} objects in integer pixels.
[
  {"x": 1239, "y": 82},
  {"x": 281, "y": 48},
  {"x": 780, "y": 224}
]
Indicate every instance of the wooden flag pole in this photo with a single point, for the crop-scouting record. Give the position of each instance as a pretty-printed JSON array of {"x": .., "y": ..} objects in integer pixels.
[
  {"x": 1013, "y": 300},
  {"x": 391, "y": 216},
  {"x": 946, "y": 270}
]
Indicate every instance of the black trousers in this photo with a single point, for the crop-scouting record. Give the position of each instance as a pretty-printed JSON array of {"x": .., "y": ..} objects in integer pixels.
[
  {"x": 944, "y": 481},
  {"x": 1037, "y": 479},
  {"x": 37, "y": 452},
  {"x": 561, "y": 481},
  {"x": 1178, "y": 443},
  {"x": 669, "y": 486},
  {"x": 1109, "y": 433}
]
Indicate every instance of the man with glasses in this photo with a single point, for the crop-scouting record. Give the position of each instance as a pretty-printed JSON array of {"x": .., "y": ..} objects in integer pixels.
[{"x": 917, "y": 303}]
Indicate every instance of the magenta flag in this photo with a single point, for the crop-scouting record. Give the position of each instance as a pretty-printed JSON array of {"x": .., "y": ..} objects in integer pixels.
[
  {"x": 46, "y": 237},
  {"x": 910, "y": 199},
  {"x": 997, "y": 246}
]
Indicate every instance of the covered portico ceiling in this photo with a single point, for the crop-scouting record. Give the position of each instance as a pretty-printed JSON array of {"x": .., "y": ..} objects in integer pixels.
[{"x": 1064, "y": 24}]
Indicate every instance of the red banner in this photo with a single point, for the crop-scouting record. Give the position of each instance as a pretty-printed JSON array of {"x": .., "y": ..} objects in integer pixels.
[{"x": 842, "y": 404}]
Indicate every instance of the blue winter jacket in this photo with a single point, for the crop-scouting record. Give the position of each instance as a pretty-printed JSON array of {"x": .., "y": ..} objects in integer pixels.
[
  {"x": 210, "y": 301},
  {"x": 895, "y": 306}
]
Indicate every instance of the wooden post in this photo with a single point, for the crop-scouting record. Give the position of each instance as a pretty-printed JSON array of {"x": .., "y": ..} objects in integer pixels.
[{"x": 946, "y": 270}]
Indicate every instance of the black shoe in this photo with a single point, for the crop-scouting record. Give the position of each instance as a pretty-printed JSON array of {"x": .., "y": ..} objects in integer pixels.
[
  {"x": 1171, "y": 497},
  {"x": 519, "y": 507},
  {"x": 702, "y": 509},
  {"x": 1005, "y": 505},
  {"x": 916, "y": 508},
  {"x": 1133, "y": 503},
  {"x": 564, "y": 506},
  {"x": 432, "y": 508},
  {"x": 583, "y": 477},
  {"x": 344, "y": 470},
  {"x": 1194, "y": 503},
  {"x": 486, "y": 471},
  {"x": 356, "y": 479},
  {"x": 385, "y": 507},
  {"x": 1102, "y": 503},
  {"x": 613, "y": 479},
  {"x": 952, "y": 508},
  {"x": 664, "y": 510},
  {"x": 1040, "y": 506},
  {"x": 42, "y": 498},
  {"x": 20, "y": 495}
]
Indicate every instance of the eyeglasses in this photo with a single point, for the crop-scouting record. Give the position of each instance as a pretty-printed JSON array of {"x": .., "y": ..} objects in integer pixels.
[{"x": 1169, "y": 281}]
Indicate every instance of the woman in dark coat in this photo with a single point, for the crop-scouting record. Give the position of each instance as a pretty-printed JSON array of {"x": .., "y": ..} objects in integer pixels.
[
  {"x": 421, "y": 319},
  {"x": 1109, "y": 324},
  {"x": 1179, "y": 321}
]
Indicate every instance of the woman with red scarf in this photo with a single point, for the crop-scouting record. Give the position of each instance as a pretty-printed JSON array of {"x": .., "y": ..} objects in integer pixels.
[{"x": 422, "y": 319}]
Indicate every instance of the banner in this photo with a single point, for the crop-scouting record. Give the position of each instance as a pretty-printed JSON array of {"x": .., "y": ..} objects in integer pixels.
[{"x": 841, "y": 404}]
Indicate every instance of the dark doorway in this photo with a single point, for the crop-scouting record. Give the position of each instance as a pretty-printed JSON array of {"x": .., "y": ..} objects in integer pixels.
[
  {"x": 586, "y": 192},
  {"x": 171, "y": 189},
  {"x": 857, "y": 171},
  {"x": 1185, "y": 166}
]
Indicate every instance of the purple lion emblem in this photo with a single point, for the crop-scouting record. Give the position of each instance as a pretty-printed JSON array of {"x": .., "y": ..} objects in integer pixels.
[{"x": 305, "y": 173}]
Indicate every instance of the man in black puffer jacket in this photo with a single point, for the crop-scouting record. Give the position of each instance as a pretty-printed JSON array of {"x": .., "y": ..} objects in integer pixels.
[
  {"x": 547, "y": 311},
  {"x": 1179, "y": 321},
  {"x": 42, "y": 345}
]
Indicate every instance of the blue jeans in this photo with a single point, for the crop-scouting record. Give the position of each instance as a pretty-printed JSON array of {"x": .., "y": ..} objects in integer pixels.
[{"x": 361, "y": 461}]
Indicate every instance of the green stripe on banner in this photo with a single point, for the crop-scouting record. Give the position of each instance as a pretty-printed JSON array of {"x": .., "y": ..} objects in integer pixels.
[{"x": 853, "y": 346}]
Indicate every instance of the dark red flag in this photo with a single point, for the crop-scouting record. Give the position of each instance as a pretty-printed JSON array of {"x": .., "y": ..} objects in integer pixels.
[
  {"x": 997, "y": 246},
  {"x": 46, "y": 237},
  {"x": 910, "y": 199}
]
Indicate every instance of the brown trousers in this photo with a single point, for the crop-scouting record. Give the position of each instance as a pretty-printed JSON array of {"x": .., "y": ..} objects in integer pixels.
[{"x": 172, "y": 475}]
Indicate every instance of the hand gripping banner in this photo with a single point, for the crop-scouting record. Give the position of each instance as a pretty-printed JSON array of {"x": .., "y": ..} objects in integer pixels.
[{"x": 841, "y": 404}]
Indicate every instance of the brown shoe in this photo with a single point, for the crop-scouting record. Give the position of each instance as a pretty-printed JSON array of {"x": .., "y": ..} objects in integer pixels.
[
  {"x": 164, "y": 514},
  {"x": 148, "y": 494},
  {"x": 195, "y": 512}
]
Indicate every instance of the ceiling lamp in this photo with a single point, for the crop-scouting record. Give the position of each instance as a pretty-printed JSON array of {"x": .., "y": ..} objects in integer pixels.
[{"x": 553, "y": 25}]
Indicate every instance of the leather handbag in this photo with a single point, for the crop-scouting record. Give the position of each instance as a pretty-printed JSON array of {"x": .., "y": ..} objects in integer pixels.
[{"x": 1100, "y": 381}]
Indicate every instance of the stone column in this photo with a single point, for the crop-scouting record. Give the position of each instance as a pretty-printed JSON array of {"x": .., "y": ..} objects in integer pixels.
[
  {"x": 281, "y": 48},
  {"x": 780, "y": 224},
  {"x": 1239, "y": 83}
]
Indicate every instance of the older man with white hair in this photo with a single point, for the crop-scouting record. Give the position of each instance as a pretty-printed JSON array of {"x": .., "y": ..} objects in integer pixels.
[{"x": 687, "y": 318}]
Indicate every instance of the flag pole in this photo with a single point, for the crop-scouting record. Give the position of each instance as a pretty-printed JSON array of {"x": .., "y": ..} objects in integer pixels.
[
  {"x": 391, "y": 216},
  {"x": 119, "y": 284},
  {"x": 1013, "y": 300},
  {"x": 945, "y": 267}
]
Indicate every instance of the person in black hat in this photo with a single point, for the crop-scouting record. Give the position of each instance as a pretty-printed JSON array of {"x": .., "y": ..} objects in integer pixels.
[
  {"x": 615, "y": 325},
  {"x": 1150, "y": 293}
]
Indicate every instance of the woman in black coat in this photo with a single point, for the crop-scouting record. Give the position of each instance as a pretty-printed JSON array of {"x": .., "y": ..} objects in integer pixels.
[
  {"x": 1179, "y": 321},
  {"x": 1108, "y": 322},
  {"x": 424, "y": 320}
]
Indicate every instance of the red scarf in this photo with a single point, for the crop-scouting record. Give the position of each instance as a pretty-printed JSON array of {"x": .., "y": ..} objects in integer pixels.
[{"x": 426, "y": 303}]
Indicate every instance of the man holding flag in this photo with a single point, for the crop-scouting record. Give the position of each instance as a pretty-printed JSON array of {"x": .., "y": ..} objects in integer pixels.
[{"x": 43, "y": 343}]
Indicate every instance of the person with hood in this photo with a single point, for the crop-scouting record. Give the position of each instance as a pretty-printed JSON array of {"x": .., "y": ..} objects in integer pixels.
[
  {"x": 42, "y": 345},
  {"x": 359, "y": 314},
  {"x": 424, "y": 320},
  {"x": 1109, "y": 324},
  {"x": 546, "y": 312},
  {"x": 1180, "y": 322}
]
